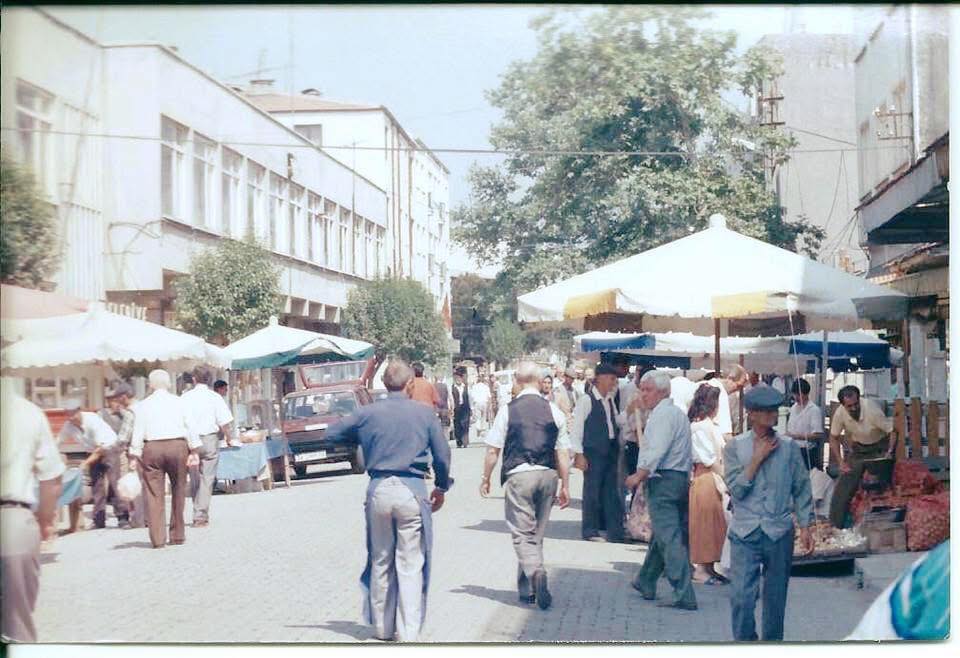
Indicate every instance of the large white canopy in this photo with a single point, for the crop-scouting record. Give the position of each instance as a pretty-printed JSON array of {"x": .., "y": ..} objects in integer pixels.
[
  {"x": 276, "y": 344},
  {"x": 99, "y": 336},
  {"x": 715, "y": 273}
]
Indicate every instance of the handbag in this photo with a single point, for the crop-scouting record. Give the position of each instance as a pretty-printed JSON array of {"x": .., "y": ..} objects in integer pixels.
[{"x": 638, "y": 518}]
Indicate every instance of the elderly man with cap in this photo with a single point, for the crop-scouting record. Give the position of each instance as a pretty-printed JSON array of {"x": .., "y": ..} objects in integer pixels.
[
  {"x": 210, "y": 417},
  {"x": 565, "y": 395},
  {"x": 399, "y": 437},
  {"x": 532, "y": 433},
  {"x": 120, "y": 419},
  {"x": 29, "y": 455},
  {"x": 164, "y": 445},
  {"x": 595, "y": 440},
  {"x": 664, "y": 464},
  {"x": 769, "y": 483},
  {"x": 98, "y": 438}
]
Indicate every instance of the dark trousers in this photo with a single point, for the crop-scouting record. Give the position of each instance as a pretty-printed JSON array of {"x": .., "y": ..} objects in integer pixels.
[
  {"x": 669, "y": 551},
  {"x": 103, "y": 482},
  {"x": 165, "y": 459},
  {"x": 631, "y": 453},
  {"x": 461, "y": 426},
  {"x": 813, "y": 457},
  {"x": 848, "y": 483},
  {"x": 602, "y": 503},
  {"x": 747, "y": 557}
]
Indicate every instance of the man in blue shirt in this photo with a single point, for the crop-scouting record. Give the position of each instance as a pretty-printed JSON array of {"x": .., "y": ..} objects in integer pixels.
[
  {"x": 768, "y": 482},
  {"x": 664, "y": 463},
  {"x": 398, "y": 437}
]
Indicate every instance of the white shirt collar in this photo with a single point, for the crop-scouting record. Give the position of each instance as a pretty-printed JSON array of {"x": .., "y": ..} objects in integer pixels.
[{"x": 528, "y": 391}]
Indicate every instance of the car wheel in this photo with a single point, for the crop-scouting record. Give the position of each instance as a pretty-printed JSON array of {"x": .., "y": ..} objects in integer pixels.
[
  {"x": 300, "y": 471},
  {"x": 356, "y": 464}
]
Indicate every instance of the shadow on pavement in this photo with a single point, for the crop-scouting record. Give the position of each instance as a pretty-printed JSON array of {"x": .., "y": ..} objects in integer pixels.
[
  {"x": 559, "y": 529},
  {"x": 349, "y": 628},
  {"x": 507, "y": 597},
  {"x": 133, "y": 544}
]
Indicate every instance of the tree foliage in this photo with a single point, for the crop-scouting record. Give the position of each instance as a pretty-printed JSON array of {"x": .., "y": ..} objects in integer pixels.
[
  {"x": 398, "y": 316},
  {"x": 474, "y": 305},
  {"x": 29, "y": 251},
  {"x": 231, "y": 291},
  {"x": 624, "y": 79},
  {"x": 504, "y": 341}
]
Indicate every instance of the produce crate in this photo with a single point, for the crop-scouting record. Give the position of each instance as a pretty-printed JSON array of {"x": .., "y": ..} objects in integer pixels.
[{"x": 885, "y": 537}]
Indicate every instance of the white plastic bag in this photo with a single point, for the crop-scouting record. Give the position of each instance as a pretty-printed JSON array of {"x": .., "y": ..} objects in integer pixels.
[{"x": 129, "y": 486}]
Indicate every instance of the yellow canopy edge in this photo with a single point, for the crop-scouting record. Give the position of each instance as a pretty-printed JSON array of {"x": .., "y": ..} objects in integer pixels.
[{"x": 594, "y": 303}]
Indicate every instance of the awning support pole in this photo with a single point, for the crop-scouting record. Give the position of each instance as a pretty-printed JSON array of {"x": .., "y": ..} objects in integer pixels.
[
  {"x": 716, "y": 345},
  {"x": 824, "y": 362}
]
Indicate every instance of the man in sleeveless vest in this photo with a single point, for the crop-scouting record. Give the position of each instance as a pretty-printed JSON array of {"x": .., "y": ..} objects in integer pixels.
[
  {"x": 531, "y": 432},
  {"x": 595, "y": 440},
  {"x": 768, "y": 482}
]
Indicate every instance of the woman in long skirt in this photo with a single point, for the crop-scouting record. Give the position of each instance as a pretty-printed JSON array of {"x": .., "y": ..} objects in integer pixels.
[{"x": 708, "y": 526}]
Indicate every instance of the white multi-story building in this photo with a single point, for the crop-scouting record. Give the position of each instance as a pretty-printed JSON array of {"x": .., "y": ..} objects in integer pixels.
[
  {"x": 370, "y": 140},
  {"x": 149, "y": 160}
]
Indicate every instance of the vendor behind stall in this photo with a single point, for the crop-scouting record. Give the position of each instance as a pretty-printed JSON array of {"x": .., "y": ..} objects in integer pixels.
[
  {"x": 805, "y": 425},
  {"x": 861, "y": 427}
]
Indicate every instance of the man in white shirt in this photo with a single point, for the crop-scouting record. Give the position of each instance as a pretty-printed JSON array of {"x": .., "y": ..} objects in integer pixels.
[
  {"x": 209, "y": 416},
  {"x": 532, "y": 433},
  {"x": 595, "y": 440},
  {"x": 164, "y": 445},
  {"x": 805, "y": 425},
  {"x": 29, "y": 454},
  {"x": 480, "y": 404},
  {"x": 97, "y": 438},
  {"x": 733, "y": 381}
]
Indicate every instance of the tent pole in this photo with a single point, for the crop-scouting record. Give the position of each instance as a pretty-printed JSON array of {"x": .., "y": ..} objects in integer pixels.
[
  {"x": 716, "y": 345},
  {"x": 906, "y": 358},
  {"x": 824, "y": 362},
  {"x": 740, "y": 399}
]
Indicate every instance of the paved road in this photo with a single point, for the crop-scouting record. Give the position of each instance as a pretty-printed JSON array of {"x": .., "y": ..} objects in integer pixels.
[{"x": 282, "y": 566}]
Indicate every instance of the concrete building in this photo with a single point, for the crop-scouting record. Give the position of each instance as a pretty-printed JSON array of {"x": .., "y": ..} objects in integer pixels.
[
  {"x": 902, "y": 113},
  {"x": 149, "y": 160},
  {"x": 370, "y": 140},
  {"x": 813, "y": 101}
]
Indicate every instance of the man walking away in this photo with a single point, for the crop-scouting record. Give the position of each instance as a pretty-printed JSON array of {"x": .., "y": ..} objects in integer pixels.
[
  {"x": 29, "y": 454},
  {"x": 768, "y": 482},
  {"x": 422, "y": 391},
  {"x": 664, "y": 464},
  {"x": 863, "y": 430},
  {"x": 97, "y": 437},
  {"x": 461, "y": 408},
  {"x": 209, "y": 416},
  {"x": 398, "y": 437},
  {"x": 443, "y": 405},
  {"x": 164, "y": 445},
  {"x": 532, "y": 433},
  {"x": 595, "y": 441}
]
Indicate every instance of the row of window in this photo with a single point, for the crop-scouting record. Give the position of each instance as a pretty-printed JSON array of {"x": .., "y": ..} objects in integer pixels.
[{"x": 211, "y": 186}]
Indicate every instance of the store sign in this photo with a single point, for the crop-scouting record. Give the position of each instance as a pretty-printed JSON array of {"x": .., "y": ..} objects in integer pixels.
[{"x": 130, "y": 310}]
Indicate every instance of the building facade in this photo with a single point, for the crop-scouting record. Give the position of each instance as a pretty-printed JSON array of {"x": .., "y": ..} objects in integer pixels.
[
  {"x": 903, "y": 141},
  {"x": 149, "y": 161}
]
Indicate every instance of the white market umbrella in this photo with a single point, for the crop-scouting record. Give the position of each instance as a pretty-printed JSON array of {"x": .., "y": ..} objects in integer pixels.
[
  {"x": 746, "y": 277},
  {"x": 99, "y": 336},
  {"x": 276, "y": 345}
]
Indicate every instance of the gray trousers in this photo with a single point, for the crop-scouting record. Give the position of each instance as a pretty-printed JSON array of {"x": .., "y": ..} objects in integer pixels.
[
  {"x": 19, "y": 572},
  {"x": 747, "y": 556},
  {"x": 528, "y": 500},
  {"x": 669, "y": 552},
  {"x": 203, "y": 476},
  {"x": 602, "y": 499},
  {"x": 397, "y": 557}
]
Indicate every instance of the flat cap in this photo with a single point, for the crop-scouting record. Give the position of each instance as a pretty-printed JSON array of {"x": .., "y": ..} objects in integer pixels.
[
  {"x": 763, "y": 398},
  {"x": 606, "y": 369},
  {"x": 118, "y": 389}
]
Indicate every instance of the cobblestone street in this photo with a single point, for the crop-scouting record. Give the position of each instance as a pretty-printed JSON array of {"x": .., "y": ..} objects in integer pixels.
[{"x": 283, "y": 565}]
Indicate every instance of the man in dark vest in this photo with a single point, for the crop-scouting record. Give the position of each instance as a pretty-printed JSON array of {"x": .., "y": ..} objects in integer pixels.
[
  {"x": 595, "y": 440},
  {"x": 461, "y": 408},
  {"x": 531, "y": 432}
]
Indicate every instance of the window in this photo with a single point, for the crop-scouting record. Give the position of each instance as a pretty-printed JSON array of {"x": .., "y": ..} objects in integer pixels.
[
  {"x": 33, "y": 123},
  {"x": 296, "y": 230},
  {"x": 346, "y": 249},
  {"x": 256, "y": 178},
  {"x": 370, "y": 244},
  {"x": 278, "y": 192},
  {"x": 315, "y": 228},
  {"x": 204, "y": 162},
  {"x": 172, "y": 169},
  {"x": 380, "y": 253},
  {"x": 314, "y": 133},
  {"x": 359, "y": 254},
  {"x": 331, "y": 249},
  {"x": 230, "y": 193}
]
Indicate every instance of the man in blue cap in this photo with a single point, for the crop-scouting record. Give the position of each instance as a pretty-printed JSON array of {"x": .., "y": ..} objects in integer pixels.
[{"x": 768, "y": 481}]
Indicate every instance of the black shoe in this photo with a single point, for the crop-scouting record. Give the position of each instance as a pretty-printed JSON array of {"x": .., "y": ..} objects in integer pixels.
[
  {"x": 544, "y": 599},
  {"x": 529, "y": 599},
  {"x": 679, "y": 605},
  {"x": 648, "y": 596}
]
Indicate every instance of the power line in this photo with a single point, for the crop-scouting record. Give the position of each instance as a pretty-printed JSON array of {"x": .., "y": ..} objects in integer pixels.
[{"x": 417, "y": 149}]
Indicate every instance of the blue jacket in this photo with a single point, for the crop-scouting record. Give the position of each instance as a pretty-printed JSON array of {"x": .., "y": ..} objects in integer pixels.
[{"x": 396, "y": 435}]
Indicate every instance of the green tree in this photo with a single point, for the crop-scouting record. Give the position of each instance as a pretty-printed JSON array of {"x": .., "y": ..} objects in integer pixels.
[
  {"x": 398, "y": 316},
  {"x": 504, "y": 341},
  {"x": 29, "y": 250},
  {"x": 626, "y": 79},
  {"x": 231, "y": 291}
]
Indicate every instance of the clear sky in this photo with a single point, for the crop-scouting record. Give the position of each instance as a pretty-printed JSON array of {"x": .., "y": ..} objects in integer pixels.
[{"x": 429, "y": 64}]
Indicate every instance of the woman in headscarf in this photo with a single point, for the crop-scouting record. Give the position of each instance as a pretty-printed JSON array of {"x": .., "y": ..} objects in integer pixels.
[{"x": 708, "y": 527}]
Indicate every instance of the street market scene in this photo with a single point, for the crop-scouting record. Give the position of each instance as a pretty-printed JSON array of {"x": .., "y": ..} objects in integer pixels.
[{"x": 651, "y": 344}]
